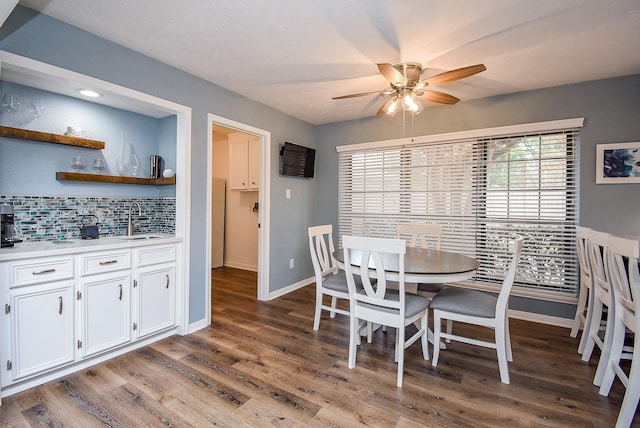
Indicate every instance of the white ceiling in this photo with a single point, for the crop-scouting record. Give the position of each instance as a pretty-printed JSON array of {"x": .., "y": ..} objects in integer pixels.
[{"x": 296, "y": 55}]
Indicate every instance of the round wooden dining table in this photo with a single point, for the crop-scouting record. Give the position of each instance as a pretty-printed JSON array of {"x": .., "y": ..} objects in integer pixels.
[{"x": 424, "y": 265}]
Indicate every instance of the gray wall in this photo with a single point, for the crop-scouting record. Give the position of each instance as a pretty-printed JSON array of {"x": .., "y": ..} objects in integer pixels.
[
  {"x": 610, "y": 108},
  {"x": 611, "y": 111},
  {"x": 48, "y": 40}
]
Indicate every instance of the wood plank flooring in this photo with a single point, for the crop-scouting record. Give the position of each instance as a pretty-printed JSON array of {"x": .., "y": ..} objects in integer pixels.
[{"x": 260, "y": 364}]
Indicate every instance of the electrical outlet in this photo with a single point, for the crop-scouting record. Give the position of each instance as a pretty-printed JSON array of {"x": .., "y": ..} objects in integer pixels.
[{"x": 291, "y": 263}]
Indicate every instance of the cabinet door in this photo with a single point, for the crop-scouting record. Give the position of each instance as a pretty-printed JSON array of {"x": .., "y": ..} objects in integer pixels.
[
  {"x": 254, "y": 164},
  {"x": 155, "y": 299},
  {"x": 41, "y": 319},
  {"x": 106, "y": 314},
  {"x": 238, "y": 165}
]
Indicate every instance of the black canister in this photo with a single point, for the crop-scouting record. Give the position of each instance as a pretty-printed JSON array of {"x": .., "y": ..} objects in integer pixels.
[{"x": 6, "y": 226}]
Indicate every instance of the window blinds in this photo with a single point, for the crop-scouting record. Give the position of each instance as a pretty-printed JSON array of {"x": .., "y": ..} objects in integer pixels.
[{"x": 484, "y": 189}]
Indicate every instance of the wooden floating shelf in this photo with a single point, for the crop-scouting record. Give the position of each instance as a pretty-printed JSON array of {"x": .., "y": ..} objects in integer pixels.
[
  {"x": 78, "y": 176},
  {"x": 45, "y": 137}
]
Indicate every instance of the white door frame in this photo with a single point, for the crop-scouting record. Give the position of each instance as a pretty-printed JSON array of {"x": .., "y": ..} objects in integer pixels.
[{"x": 263, "y": 200}]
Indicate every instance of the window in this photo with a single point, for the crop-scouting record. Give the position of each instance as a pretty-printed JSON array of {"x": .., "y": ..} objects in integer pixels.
[{"x": 484, "y": 187}]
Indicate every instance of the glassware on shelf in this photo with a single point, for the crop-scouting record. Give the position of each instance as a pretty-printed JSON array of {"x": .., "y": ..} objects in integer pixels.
[
  {"x": 98, "y": 165},
  {"x": 37, "y": 109},
  {"x": 78, "y": 163},
  {"x": 11, "y": 103},
  {"x": 128, "y": 162}
]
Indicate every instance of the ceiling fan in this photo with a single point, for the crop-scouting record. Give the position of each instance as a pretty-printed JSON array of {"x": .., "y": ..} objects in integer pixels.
[{"x": 406, "y": 86}]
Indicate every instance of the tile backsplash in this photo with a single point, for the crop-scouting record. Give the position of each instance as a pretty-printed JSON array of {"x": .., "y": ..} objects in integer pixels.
[{"x": 43, "y": 218}]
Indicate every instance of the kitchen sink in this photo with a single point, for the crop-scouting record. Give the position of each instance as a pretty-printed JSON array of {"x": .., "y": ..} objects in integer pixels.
[{"x": 140, "y": 237}]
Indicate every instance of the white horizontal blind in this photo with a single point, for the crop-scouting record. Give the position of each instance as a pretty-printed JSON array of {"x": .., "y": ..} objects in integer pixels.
[{"x": 483, "y": 190}]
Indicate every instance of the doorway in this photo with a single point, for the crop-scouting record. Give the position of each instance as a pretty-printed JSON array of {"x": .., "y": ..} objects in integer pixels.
[
  {"x": 235, "y": 199},
  {"x": 264, "y": 141}
]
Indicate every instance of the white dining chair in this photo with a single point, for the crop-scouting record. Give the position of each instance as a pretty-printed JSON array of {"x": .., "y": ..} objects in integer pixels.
[
  {"x": 422, "y": 235},
  {"x": 330, "y": 281},
  {"x": 602, "y": 301},
  {"x": 586, "y": 295},
  {"x": 621, "y": 259},
  {"x": 374, "y": 302},
  {"x": 479, "y": 308}
]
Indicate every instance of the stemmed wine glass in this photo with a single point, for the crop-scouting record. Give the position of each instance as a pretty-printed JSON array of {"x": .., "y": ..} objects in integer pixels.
[
  {"x": 78, "y": 163},
  {"x": 11, "y": 103},
  {"x": 98, "y": 165},
  {"x": 37, "y": 109}
]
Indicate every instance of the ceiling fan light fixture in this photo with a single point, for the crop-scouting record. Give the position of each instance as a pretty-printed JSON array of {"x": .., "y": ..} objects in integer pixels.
[
  {"x": 411, "y": 104},
  {"x": 391, "y": 106}
]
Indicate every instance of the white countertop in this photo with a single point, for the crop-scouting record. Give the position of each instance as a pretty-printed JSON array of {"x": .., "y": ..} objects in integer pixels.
[{"x": 30, "y": 249}]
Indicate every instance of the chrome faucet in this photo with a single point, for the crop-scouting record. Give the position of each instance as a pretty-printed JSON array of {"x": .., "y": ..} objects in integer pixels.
[{"x": 131, "y": 225}]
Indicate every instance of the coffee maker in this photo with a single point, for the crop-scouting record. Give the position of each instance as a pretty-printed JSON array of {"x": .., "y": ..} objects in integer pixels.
[{"x": 6, "y": 226}]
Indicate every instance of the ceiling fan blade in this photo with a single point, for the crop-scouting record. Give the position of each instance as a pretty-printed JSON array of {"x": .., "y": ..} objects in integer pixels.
[
  {"x": 363, "y": 94},
  {"x": 392, "y": 74},
  {"x": 438, "y": 97},
  {"x": 450, "y": 76}
]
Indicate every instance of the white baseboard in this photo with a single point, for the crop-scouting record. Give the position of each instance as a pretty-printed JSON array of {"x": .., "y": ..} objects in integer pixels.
[
  {"x": 541, "y": 319},
  {"x": 292, "y": 287},
  {"x": 198, "y": 325},
  {"x": 251, "y": 268}
]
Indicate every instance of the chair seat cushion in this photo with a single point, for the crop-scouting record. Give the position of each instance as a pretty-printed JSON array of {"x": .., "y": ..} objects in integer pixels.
[
  {"x": 413, "y": 303},
  {"x": 430, "y": 288},
  {"x": 464, "y": 301},
  {"x": 338, "y": 282}
]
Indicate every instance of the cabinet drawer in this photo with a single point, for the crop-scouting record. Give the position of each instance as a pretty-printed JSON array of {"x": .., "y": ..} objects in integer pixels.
[
  {"x": 111, "y": 261},
  {"x": 158, "y": 254},
  {"x": 40, "y": 270}
]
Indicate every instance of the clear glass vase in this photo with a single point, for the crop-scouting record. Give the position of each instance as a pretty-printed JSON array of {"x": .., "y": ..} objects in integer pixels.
[{"x": 128, "y": 162}]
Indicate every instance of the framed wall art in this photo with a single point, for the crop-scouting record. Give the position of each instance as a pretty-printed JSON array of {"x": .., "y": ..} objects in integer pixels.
[{"x": 618, "y": 163}]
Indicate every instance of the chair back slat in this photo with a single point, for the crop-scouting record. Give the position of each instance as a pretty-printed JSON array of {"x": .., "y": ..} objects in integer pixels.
[
  {"x": 582, "y": 237},
  {"x": 622, "y": 269},
  {"x": 423, "y": 235},
  {"x": 321, "y": 248},
  {"x": 371, "y": 258},
  {"x": 595, "y": 246},
  {"x": 322, "y": 253},
  {"x": 507, "y": 283}
]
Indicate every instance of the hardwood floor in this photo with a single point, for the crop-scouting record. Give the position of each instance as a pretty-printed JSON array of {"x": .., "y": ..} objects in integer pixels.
[{"x": 261, "y": 364}]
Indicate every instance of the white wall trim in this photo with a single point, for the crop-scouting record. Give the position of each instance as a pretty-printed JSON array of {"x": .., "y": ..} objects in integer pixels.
[
  {"x": 242, "y": 266},
  {"x": 6, "y": 7},
  {"x": 526, "y": 128},
  {"x": 541, "y": 319},
  {"x": 264, "y": 219},
  {"x": 527, "y": 293},
  {"x": 198, "y": 325},
  {"x": 293, "y": 287}
]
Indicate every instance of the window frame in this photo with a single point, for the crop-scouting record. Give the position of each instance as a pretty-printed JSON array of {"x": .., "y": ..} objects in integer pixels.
[{"x": 566, "y": 291}]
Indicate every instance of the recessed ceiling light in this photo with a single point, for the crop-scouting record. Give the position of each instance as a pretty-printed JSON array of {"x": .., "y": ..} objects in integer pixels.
[{"x": 89, "y": 93}]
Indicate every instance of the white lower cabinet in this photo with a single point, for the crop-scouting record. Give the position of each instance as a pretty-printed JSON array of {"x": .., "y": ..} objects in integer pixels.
[
  {"x": 105, "y": 313},
  {"x": 104, "y": 300},
  {"x": 61, "y": 312},
  {"x": 154, "y": 289},
  {"x": 155, "y": 300},
  {"x": 41, "y": 329}
]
